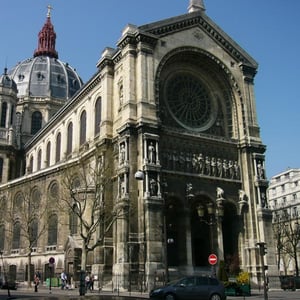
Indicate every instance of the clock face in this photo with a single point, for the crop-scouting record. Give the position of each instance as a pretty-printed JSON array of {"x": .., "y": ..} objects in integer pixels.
[{"x": 189, "y": 101}]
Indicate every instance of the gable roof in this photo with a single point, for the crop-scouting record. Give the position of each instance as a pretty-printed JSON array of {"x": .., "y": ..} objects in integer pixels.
[{"x": 201, "y": 20}]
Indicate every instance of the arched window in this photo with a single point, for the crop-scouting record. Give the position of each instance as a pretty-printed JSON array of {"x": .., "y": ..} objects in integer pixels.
[
  {"x": 12, "y": 113},
  {"x": 73, "y": 220},
  {"x": 18, "y": 203},
  {"x": 2, "y": 236},
  {"x": 36, "y": 122},
  {"x": 70, "y": 138},
  {"x": 82, "y": 139},
  {"x": 52, "y": 230},
  {"x": 3, "y": 114},
  {"x": 97, "y": 116},
  {"x": 58, "y": 146},
  {"x": 30, "y": 167},
  {"x": 1, "y": 168},
  {"x": 39, "y": 160},
  {"x": 33, "y": 232},
  {"x": 48, "y": 154},
  {"x": 16, "y": 236}
]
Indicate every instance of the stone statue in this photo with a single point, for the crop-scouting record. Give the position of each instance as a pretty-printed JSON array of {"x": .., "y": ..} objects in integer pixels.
[
  {"x": 151, "y": 153},
  {"x": 220, "y": 193}
]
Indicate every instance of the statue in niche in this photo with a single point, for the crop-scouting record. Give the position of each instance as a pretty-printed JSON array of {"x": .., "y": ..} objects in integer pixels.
[
  {"x": 242, "y": 196},
  {"x": 207, "y": 166},
  {"x": 194, "y": 163},
  {"x": 189, "y": 189},
  {"x": 200, "y": 163},
  {"x": 263, "y": 199},
  {"x": 230, "y": 169},
  {"x": 220, "y": 193},
  {"x": 122, "y": 186},
  {"x": 260, "y": 170},
  {"x": 153, "y": 187},
  {"x": 121, "y": 95},
  {"x": 236, "y": 170},
  {"x": 122, "y": 153},
  {"x": 213, "y": 166},
  {"x": 225, "y": 168},
  {"x": 151, "y": 153},
  {"x": 220, "y": 167}
]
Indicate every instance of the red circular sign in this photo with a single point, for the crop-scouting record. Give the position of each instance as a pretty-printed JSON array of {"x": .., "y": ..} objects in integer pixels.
[
  {"x": 212, "y": 259},
  {"x": 51, "y": 260}
]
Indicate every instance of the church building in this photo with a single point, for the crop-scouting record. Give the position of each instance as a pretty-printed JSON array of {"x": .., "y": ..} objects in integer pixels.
[{"x": 171, "y": 111}]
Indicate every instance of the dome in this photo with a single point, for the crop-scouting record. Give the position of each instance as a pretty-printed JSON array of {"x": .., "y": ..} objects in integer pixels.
[
  {"x": 44, "y": 75},
  {"x": 7, "y": 82}
]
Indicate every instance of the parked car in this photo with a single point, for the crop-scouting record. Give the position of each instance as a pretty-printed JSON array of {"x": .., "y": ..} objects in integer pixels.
[
  {"x": 5, "y": 284},
  {"x": 191, "y": 287}
]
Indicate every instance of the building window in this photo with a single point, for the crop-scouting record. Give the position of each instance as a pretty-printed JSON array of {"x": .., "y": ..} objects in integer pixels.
[
  {"x": 16, "y": 236},
  {"x": 36, "y": 122},
  {"x": 58, "y": 146},
  {"x": 73, "y": 222},
  {"x": 97, "y": 116},
  {"x": 2, "y": 236},
  {"x": 83, "y": 127},
  {"x": 52, "y": 230},
  {"x": 70, "y": 138},
  {"x": 48, "y": 154},
  {"x": 39, "y": 160},
  {"x": 283, "y": 188},
  {"x": 3, "y": 114},
  {"x": 1, "y": 168},
  {"x": 30, "y": 167},
  {"x": 33, "y": 231}
]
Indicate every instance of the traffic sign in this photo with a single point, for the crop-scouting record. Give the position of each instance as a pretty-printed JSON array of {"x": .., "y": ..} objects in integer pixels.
[
  {"x": 51, "y": 260},
  {"x": 212, "y": 259}
]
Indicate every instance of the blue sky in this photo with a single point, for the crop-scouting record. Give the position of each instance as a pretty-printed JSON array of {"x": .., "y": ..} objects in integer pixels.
[{"x": 267, "y": 29}]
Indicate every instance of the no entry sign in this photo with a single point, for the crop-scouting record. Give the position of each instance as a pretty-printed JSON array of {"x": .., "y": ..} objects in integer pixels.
[{"x": 212, "y": 259}]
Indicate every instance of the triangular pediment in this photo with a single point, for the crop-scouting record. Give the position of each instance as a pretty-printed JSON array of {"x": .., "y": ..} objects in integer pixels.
[{"x": 200, "y": 20}]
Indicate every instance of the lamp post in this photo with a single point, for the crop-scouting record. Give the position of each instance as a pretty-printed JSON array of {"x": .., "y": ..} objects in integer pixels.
[
  {"x": 215, "y": 214},
  {"x": 5, "y": 275},
  {"x": 262, "y": 252},
  {"x": 139, "y": 175}
]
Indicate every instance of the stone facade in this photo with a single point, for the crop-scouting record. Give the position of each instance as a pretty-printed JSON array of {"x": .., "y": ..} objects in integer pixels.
[{"x": 177, "y": 104}]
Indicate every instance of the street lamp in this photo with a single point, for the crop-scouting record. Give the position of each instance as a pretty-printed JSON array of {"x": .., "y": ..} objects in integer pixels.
[
  {"x": 262, "y": 252},
  {"x": 140, "y": 176},
  {"x": 5, "y": 275}
]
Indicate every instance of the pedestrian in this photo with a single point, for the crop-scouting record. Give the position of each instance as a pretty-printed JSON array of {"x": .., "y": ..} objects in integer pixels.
[
  {"x": 87, "y": 282},
  {"x": 63, "y": 278},
  {"x": 91, "y": 282},
  {"x": 36, "y": 281}
]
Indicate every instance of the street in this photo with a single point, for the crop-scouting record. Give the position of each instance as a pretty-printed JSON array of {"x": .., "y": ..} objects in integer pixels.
[{"x": 58, "y": 294}]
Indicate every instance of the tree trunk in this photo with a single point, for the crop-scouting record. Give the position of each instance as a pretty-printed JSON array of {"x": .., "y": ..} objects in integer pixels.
[
  {"x": 29, "y": 269},
  {"x": 83, "y": 258}
]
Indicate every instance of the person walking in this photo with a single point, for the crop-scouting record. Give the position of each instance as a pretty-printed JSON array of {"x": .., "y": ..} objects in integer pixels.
[
  {"x": 63, "y": 278},
  {"x": 36, "y": 281}
]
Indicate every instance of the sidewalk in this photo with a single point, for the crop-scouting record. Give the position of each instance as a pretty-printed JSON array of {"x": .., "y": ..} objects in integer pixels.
[{"x": 57, "y": 294}]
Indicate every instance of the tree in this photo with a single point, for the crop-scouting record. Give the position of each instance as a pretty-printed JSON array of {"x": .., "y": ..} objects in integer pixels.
[
  {"x": 87, "y": 195},
  {"x": 23, "y": 215},
  {"x": 287, "y": 234}
]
